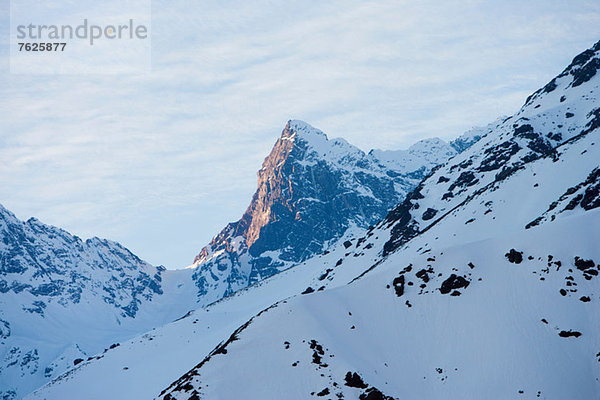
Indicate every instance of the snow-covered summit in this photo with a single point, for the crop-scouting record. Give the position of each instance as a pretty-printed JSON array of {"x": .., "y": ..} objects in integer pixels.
[
  {"x": 425, "y": 154},
  {"x": 301, "y": 128},
  {"x": 312, "y": 145}
]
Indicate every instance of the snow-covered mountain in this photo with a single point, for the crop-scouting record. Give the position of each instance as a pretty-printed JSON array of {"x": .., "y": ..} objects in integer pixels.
[
  {"x": 481, "y": 283},
  {"x": 63, "y": 300},
  {"x": 311, "y": 190}
]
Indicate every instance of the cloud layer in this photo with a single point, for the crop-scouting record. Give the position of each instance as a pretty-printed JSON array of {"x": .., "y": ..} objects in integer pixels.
[{"x": 161, "y": 161}]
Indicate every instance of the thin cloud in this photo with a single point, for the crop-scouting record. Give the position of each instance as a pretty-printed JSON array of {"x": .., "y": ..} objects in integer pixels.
[{"x": 160, "y": 161}]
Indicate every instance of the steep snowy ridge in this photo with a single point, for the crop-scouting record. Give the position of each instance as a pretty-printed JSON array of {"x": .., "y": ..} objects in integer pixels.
[
  {"x": 455, "y": 294},
  {"x": 547, "y": 122},
  {"x": 311, "y": 190}
]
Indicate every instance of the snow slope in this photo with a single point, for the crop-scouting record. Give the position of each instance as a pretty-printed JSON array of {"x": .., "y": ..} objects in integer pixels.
[
  {"x": 502, "y": 335},
  {"x": 482, "y": 283}
]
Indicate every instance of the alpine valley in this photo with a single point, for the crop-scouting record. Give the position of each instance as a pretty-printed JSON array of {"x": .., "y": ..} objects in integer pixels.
[{"x": 461, "y": 270}]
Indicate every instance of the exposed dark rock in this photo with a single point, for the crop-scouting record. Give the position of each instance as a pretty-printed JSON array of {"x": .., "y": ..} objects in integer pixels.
[
  {"x": 497, "y": 156},
  {"x": 325, "y": 274},
  {"x": 187, "y": 387},
  {"x": 453, "y": 282},
  {"x": 556, "y": 136},
  {"x": 447, "y": 195},
  {"x": 354, "y": 380},
  {"x": 514, "y": 256},
  {"x": 429, "y": 214},
  {"x": 525, "y": 131},
  {"x": 506, "y": 171},
  {"x": 585, "y": 73},
  {"x": 594, "y": 122},
  {"x": 374, "y": 394},
  {"x": 405, "y": 228},
  {"x": 569, "y": 333},
  {"x": 398, "y": 284},
  {"x": 582, "y": 264},
  {"x": 4, "y": 329},
  {"x": 465, "y": 179},
  {"x": 318, "y": 353},
  {"x": 589, "y": 272},
  {"x": 550, "y": 86},
  {"x": 422, "y": 274},
  {"x": 461, "y": 144}
]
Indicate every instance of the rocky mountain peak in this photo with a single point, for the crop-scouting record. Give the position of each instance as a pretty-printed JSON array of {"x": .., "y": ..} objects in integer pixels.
[
  {"x": 296, "y": 127},
  {"x": 311, "y": 190}
]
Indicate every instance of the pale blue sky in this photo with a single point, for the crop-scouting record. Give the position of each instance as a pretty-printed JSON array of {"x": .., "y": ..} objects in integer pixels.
[{"x": 161, "y": 161}]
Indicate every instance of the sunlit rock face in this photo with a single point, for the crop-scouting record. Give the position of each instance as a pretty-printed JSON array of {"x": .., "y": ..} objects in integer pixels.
[{"x": 311, "y": 190}]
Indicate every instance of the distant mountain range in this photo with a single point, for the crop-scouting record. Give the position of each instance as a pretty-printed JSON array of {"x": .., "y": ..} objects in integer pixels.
[{"x": 460, "y": 270}]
